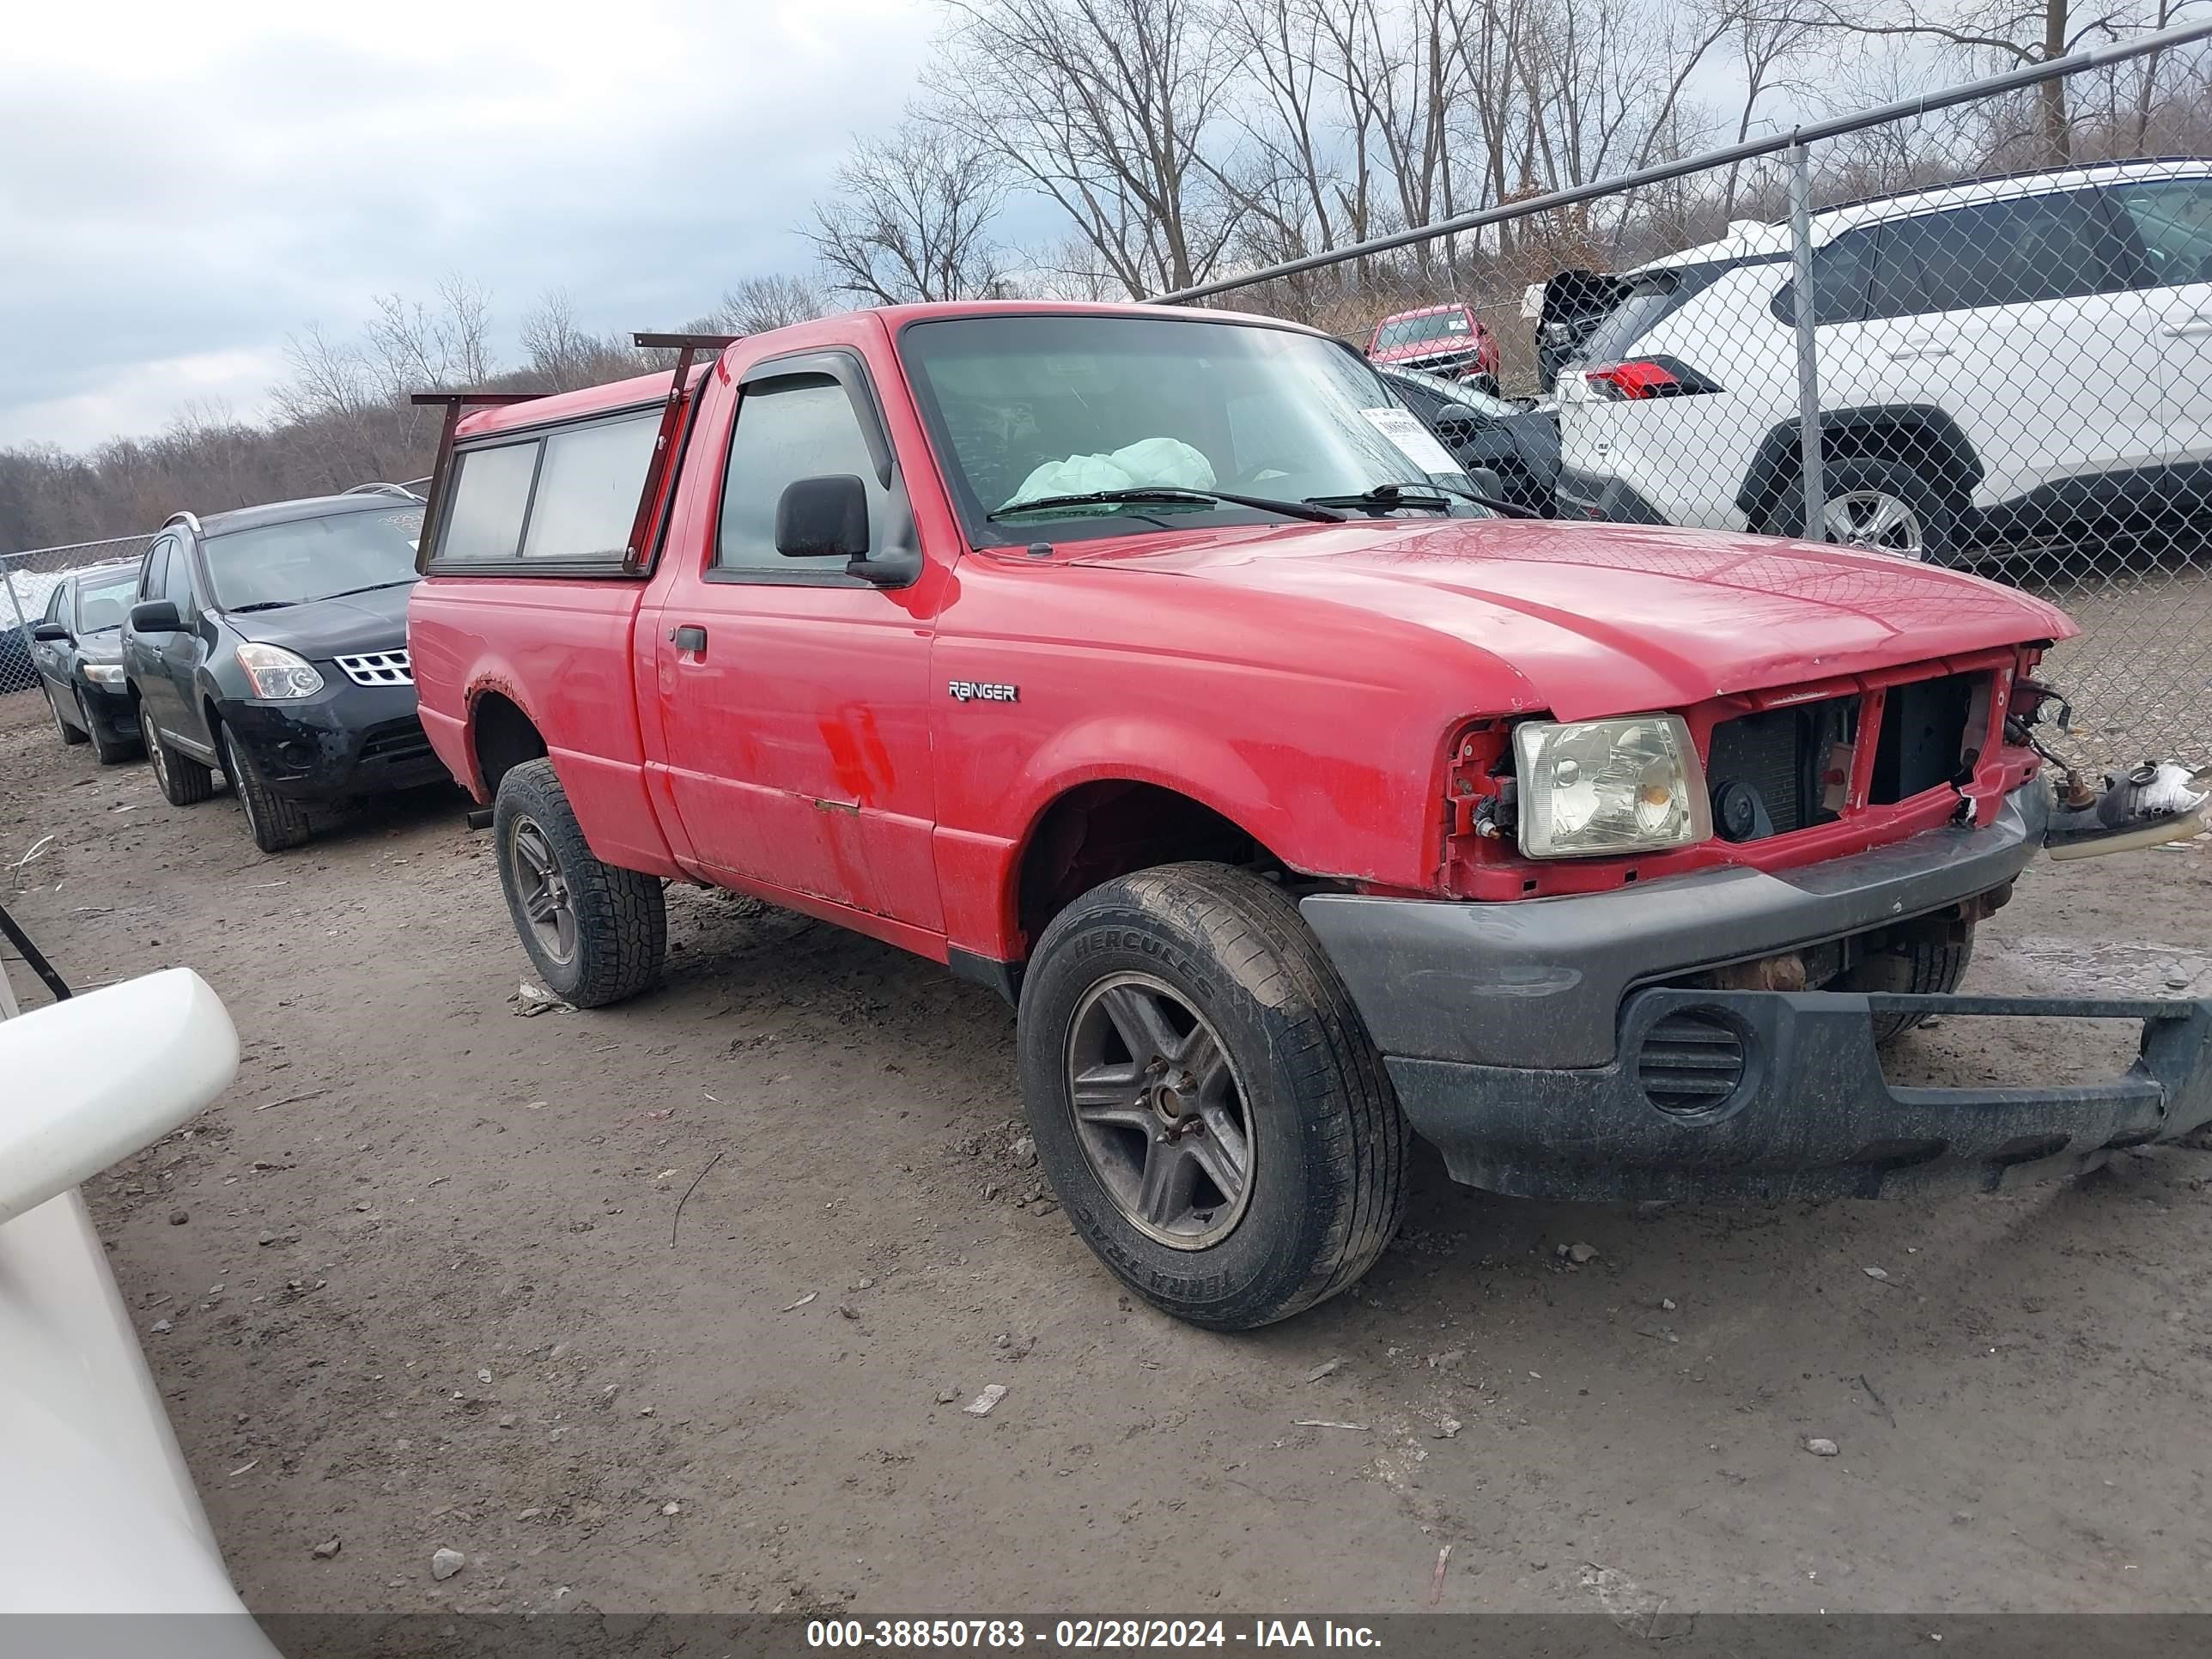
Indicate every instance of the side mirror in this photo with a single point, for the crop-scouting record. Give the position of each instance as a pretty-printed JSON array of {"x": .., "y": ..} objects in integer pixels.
[
  {"x": 823, "y": 518},
  {"x": 156, "y": 616},
  {"x": 1486, "y": 482},
  {"x": 828, "y": 518},
  {"x": 93, "y": 1079},
  {"x": 1456, "y": 423},
  {"x": 50, "y": 633}
]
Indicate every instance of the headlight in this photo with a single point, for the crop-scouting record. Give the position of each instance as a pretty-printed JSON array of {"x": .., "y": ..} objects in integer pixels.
[
  {"x": 276, "y": 672},
  {"x": 1592, "y": 788},
  {"x": 107, "y": 676}
]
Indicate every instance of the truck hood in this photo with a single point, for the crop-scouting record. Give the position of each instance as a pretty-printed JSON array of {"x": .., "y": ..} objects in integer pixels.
[
  {"x": 323, "y": 629},
  {"x": 1609, "y": 619}
]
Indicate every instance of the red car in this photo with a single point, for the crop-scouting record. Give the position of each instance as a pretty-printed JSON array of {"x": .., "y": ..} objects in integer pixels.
[
  {"x": 1154, "y": 669},
  {"x": 1448, "y": 340}
]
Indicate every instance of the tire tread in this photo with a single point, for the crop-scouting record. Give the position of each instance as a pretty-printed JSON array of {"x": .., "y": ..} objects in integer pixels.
[
  {"x": 621, "y": 915},
  {"x": 1256, "y": 935}
]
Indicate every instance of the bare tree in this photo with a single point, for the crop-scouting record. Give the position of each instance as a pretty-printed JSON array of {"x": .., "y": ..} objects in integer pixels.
[
  {"x": 1111, "y": 109},
  {"x": 758, "y": 304},
  {"x": 911, "y": 218},
  {"x": 1984, "y": 35}
]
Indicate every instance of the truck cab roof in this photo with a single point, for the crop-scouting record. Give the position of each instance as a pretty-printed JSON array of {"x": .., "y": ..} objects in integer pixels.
[{"x": 650, "y": 388}]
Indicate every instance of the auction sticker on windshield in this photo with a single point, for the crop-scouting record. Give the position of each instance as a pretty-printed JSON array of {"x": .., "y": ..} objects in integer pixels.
[{"x": 1413, "y": 440}]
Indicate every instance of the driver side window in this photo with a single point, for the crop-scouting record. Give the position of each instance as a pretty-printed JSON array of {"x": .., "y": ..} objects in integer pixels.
[
  {"x": 156, "y": 571},
  {"x": 177, "y": 584},
  {"x": 801, "y": 426}
]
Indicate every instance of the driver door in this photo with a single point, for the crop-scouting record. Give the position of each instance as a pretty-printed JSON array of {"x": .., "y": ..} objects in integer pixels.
[{"x": 794, "y": 730}]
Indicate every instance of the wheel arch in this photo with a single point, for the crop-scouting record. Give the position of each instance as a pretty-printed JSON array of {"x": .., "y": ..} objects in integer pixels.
[
  {"x": 1920, "y": 435},
  {"x": 1095, "y": 827},
  {"x": 502, "y": 734}
]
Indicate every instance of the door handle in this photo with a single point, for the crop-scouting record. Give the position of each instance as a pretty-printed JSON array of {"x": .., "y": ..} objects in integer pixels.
[
  {"x": 2196, "y": 328},
  {"x": 1914, "y": 352},
  {"x": 689, "y": 637}
]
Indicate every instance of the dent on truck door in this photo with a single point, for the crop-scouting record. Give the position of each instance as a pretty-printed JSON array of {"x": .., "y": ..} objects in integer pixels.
[{"x": 793, "y": 695}]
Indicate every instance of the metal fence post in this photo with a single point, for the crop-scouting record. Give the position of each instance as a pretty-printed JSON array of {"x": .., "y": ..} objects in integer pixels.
[
  {"x": 14, "y": 604},
  {"x": 1798, "y": 158}
]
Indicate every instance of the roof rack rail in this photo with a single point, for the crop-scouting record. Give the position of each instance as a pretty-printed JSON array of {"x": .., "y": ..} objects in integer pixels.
[
  {"x": 2008, "y": 178},
  {"x": 378, "y": 487},
  {"x": 189, "y": 521},
  {"x": 667, "y": 445},
  {"x": 684, "y": 342}
]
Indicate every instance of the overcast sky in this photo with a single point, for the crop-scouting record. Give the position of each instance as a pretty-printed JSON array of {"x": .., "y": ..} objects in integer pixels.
[{"x": 181, "y": 187}]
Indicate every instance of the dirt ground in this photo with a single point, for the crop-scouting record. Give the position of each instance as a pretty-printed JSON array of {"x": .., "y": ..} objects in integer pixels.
[{"x": 435, "y": 1283}]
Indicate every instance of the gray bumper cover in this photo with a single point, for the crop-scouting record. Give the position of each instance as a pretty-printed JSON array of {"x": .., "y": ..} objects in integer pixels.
[{"x": 1539, "y": 983}]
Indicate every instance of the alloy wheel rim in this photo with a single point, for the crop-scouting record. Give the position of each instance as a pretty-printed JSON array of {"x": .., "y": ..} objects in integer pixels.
[
  {"x": 1160, "y": 1111},
  {"x": 546, "y": 900},
  {"x": 245, "y": 796},
  {"x": 61, "y": 726},
  {"x": 1876, "y": 520},
  {"x": 155, "y": 757}
]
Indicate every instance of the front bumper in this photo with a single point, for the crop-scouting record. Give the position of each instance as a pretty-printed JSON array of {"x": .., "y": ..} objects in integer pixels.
[
  {"x": 114, "y": 709},
  {"x": 345, "y": 740},
  {"x": 1812, "y": 1116},
  {"x": 1531, "y": 1041},
  {"x": 1593, "y": 496},
  {"x": 1539, "y": 983}
]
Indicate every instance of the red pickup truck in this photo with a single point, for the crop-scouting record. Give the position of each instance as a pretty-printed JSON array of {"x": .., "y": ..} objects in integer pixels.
[{"x": 1158, "y": 670}]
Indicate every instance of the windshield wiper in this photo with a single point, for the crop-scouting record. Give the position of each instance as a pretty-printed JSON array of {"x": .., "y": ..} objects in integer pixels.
[
  {"x": 1410, "y": 494},
  {"x": 1313, "y": 512},
  {"x": 347, "y": 593},
  {"x": 263, "y": 604}
]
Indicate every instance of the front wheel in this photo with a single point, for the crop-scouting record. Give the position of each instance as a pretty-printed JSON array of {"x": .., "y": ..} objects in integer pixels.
[
  {"x": 276, "y": 823},
  {"x": 595, "y": 933},
  {"x": 111, "y": 748},
  {"x": 1206, "y": 1100},
  {"x": 1919, "y": 967},
  {"x": 68, "y": 733}
]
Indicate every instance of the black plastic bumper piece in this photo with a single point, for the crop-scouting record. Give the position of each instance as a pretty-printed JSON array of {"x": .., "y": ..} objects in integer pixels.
[
  {"x": 1590, "y": 496},
  {"x": 1768, "y": 1095},
  {"x": 1538, "y": 982},
  {"x": 346, "y": 740}
]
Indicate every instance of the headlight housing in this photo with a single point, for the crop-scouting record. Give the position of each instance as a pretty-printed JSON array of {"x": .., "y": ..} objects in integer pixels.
[
  {"x": 278, "y": 673},
  {"x": 1591, "y": 788},
  {"x": 107, "y": 676}
]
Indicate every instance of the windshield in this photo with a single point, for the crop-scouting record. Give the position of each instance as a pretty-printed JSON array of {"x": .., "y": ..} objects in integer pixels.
[
  {"x": 1412, "y": 330},
  {"x": 1025, "y": 407},
  {"x": 104, "y": 602},
  {"x": 313, "y": 558}
]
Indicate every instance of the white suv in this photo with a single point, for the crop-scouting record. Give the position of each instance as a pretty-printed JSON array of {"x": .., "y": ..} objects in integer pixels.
[{"x": 2001, "y": 362}]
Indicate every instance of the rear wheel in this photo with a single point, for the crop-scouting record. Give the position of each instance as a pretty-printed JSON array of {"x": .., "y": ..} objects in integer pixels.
[
  {"x": 1887, "y": 506},
  {"x": 595, "y": 933},
  {"x": 68, "y": 733},
  {"x": 110, "y": 748},
  {"x": 1206, "y": 1100},
  {"x": 1918, "y": 968},
  {"x": 184, "y": 781},
  {"x": 276, "y": 823}
]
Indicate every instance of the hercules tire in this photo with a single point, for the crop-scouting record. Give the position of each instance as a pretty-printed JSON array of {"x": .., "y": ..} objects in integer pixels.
[{"x": 1326, "y": 1147}]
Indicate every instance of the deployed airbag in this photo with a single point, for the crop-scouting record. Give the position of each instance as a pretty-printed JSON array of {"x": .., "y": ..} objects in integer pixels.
[{"x": 1150, "y": 463}]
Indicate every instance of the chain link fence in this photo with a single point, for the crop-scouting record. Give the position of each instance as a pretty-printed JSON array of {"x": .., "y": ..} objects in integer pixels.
[
  {"x": 29, "y": 583},
  {"x": 2010, "y": 374}
]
